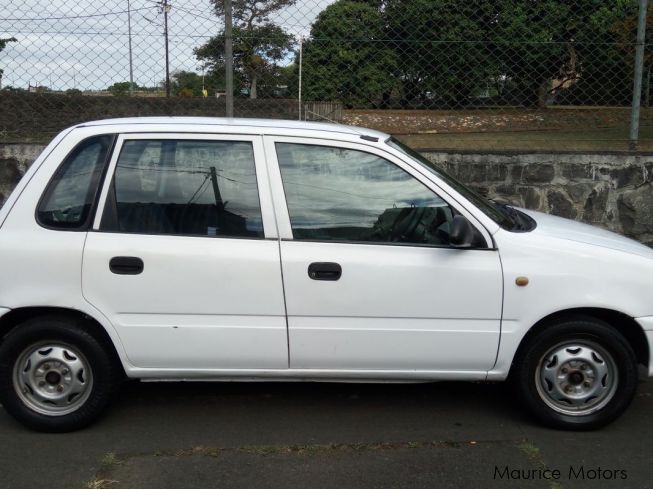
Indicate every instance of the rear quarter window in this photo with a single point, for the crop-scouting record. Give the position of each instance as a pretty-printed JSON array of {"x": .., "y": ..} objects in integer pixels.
[{"x": 69, "y": 197}]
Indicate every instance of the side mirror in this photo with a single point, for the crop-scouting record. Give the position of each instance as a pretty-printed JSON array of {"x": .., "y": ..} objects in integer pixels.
[{"x": 462, "y": 234}]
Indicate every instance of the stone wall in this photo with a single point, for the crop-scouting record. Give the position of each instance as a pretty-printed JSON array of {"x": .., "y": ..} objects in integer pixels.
[
  {"x": 14, "y": 161},
  {"x": 614, "y": 191}
]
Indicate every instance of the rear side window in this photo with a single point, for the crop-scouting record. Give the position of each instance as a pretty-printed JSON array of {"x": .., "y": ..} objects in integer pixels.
[
  {"x": 69, "y": 197},
  {"x": 185, "y": 187}
]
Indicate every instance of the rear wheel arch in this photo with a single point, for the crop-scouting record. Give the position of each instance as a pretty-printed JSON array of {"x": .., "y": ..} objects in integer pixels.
[{"x": 15, "y": 317}]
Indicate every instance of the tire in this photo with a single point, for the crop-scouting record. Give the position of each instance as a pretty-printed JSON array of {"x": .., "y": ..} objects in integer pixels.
[
  {"x": 55, "y": 376},
  {"x": 578, "y": 373}
]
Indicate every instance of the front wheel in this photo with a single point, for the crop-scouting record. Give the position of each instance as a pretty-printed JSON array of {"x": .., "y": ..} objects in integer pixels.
[
  {"x": 54, "y": 375},
  {"x": 578, "y": 373}
]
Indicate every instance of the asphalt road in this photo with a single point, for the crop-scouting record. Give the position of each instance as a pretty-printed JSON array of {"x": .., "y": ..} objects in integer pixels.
[{"x": 292, "y": 435}]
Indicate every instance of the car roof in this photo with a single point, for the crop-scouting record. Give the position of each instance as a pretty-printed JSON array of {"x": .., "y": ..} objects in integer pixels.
[{"x": 260, "y": 126}]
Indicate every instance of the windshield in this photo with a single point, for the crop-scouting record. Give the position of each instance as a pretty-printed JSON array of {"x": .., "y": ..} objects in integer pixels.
[{"x": 495, "y": 212}]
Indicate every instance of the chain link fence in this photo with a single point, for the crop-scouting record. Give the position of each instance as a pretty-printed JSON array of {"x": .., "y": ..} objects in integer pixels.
[{"x": 472, "y": 75}]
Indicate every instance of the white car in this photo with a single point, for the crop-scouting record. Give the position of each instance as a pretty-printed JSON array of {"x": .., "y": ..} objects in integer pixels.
[{"x": 200, "y": 248}]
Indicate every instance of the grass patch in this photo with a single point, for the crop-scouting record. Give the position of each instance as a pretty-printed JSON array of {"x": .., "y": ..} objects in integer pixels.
[
  {"x": 529, "y": 449},
  {"x": 111, "y": 459},
  {"x": 533, "y": 452},
  {"x": 99, "y": 483}
]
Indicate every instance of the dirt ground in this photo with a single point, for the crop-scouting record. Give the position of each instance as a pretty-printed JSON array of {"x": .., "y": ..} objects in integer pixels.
[{"x": 551, "y": 129}]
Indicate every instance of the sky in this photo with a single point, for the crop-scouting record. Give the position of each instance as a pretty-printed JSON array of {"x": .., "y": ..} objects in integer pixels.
[{"x": 85, "y": 45}]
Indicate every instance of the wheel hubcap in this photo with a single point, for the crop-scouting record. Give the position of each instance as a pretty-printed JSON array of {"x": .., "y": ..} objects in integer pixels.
[
  {"x": 52, "y": 378},
  {"x": 576, "y": 378}
]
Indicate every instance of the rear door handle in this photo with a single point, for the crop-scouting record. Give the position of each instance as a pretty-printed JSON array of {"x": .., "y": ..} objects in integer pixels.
[
  {"x": 126, "y": 265},
  {"x": 324, "y": 271}
]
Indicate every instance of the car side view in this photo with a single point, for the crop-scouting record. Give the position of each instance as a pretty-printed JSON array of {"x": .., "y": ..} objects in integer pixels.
[{"x": 226, "y": 249}]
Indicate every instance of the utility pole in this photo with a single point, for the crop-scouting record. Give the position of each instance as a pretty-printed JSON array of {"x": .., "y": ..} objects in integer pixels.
[
  {"x": 637, "y": 82},
  {"x": 166, "y": 9},
  {"x": 131, "y": 63},
  {"x": 229, "y": 58}
]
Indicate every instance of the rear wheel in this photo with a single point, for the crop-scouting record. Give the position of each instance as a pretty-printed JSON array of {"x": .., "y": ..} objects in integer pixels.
[
  {"x": 54, "y": 375},
  {"x": 578, "y": 373}
]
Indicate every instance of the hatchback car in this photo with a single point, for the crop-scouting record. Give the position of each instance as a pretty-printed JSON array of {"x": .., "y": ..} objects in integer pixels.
[{"x": 200, "y": 248}]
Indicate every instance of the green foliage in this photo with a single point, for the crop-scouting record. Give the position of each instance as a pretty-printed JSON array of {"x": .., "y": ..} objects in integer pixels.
[
  {"x": 189, "y": 84},
  {"x": 440, "y": 47},
  {"x": 256, "y": 54},
  {"x": 73, "y": 91},
  {"x": 5, "y": 41},
  {"x": 3, "y": 44},
  {"x": 120, "y": 89},
  {"x": 258, "y": 45},
  {"x": 347, "y": 58},
  {"x": 447, "y": 53},
  {"x": 248, "y": 13},
  {"x": 535, "y": 43}
]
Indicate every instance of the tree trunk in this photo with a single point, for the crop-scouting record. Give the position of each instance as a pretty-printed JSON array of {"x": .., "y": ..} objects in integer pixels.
[{"x": 252, "y": 87}]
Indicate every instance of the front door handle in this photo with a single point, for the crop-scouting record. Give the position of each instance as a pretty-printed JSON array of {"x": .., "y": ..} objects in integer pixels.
[
  {"x": 126, "y": 265},
  {"x": 324, "y": 271}
]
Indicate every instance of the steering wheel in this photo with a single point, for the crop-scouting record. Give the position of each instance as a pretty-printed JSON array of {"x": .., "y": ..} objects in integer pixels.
[{"x": 406, "y": 223}]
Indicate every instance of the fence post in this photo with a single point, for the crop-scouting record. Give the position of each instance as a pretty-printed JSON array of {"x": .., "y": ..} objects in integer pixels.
[
  {"x": 637, "y": 81},
  {"x": 131, "y": 61},
  {"x": 166, "y": 9},
  {"x": 299, "y": 95},
  {"x": 228, "y": 58}
]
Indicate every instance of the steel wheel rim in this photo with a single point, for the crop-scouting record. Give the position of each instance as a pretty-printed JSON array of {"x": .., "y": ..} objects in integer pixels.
[
  {"x": 577, "y": 378},
  {"x": 52, "y": 378}
]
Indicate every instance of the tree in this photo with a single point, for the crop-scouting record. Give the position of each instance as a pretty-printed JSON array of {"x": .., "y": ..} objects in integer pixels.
[
  {"x": 544, "y": 46},
  {"x": 256, "y": 52},
  {"x": 189, "y": 84},
  {"x": 346, "y": 57},
  {"x": 120, "y": 89},
  {"x": 248, "y": 13},
  {"x": 439, "y": 44},
  {"x": 3, "y": 44},
  {"x": 448, "y": 52},
  {"x": 258, "y": 44}
]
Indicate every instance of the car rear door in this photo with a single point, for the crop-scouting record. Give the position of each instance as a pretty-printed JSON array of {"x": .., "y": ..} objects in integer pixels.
[
  {"x": 370, "y": 279},
  {"x": 184, "y": 258}
]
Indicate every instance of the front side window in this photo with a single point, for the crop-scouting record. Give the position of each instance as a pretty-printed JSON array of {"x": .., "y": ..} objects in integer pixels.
[
  {"x": 349, "y": 195},
  {"x": 185, "y": 187},
  {"x": 67, "y": 201},
  {"x": 495, "y": 212}
]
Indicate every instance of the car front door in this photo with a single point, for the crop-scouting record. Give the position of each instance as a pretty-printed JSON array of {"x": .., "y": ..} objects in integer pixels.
[
  {"x": 184, "y": 259},
  {"x": 371, "y": 281}
]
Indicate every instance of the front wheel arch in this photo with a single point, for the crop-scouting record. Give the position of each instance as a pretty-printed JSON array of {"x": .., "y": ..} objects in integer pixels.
[
  {"x": 563, "y": 398},
  {"x": 624, "y": 324}
]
